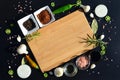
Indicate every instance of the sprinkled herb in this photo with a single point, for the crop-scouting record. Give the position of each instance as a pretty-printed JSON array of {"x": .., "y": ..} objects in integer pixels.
[
  {"x": 45, "y": 75},
  {"x": 10, "y": 72},
  {"x": 8, "y": 31},
  {"x": 103, "y": 49},
  {"x": 97, "y": 42},
  {"x": 52, "y": 4},
  {"x": 108, "y": 18},
  {"x": 32, "y": 36},
  {"x": 78, "y": 2},
  {"x": 11, "y": 25}
]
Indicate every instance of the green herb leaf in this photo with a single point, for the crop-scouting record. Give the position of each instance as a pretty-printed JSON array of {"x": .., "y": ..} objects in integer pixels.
[
  {"x": 32, "y": 36},
  {"x": 52, "y": 4},
  {"x": 78, "y": 2},
  {"x": 8, "y": 31},
  {"x": 45, "y": 75},
  {"x": 108, "y": 18},
  {"x": 102, "y": 47},
  {"x": 10, "y": 72},
  {"x": 94, "y": 26},
  {"x": 11, "y": 25},
  {"x": 102, "y": 52}
]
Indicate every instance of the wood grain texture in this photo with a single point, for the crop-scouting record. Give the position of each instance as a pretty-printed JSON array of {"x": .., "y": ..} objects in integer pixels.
[{"x": 61, "y": 40}]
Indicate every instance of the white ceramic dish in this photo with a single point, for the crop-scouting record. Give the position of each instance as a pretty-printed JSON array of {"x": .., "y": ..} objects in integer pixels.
[
  {"x": 101, "y": 10},
  {"x": 24, "y": 30},
  {"x": 24, "y": 71},
  {"x": 41, "y": 9},
  {"x": 70, "y": 70}
]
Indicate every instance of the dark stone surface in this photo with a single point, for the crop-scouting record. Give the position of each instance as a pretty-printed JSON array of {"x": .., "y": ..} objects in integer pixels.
[{"x": 108, "y": 68}]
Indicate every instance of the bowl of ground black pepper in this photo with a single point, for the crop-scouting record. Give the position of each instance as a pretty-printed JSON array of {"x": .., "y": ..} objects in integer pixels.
[
  {"x": 44, "y": 16},
  {"x": 28, "y": 24}
]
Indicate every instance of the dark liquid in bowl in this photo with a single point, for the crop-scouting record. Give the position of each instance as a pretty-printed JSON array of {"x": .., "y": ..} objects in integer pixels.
[{"x": 70, "y": 69}]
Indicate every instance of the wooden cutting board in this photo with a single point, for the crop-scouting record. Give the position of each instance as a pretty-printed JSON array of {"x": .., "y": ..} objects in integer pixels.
[{"x": 61, "y": 40}]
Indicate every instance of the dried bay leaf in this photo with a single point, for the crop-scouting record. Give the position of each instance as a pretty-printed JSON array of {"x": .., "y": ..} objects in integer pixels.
[{"x": 94, "y": 26}]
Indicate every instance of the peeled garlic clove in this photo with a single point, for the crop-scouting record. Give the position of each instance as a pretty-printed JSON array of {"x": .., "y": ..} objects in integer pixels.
[
  {"x": 19, "y": 38},
  {"x": 92, "y": 66},
  {"x": 102, "y": 37},
  {"x": 91, "y": 15}
]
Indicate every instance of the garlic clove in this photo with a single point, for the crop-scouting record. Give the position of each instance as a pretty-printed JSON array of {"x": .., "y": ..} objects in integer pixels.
[
  {"x": 92, "y": 66},
  {"x": 91, "y": 15},
  {"x": 102, "y": 36},
  {"x": 19, "y": 38}
]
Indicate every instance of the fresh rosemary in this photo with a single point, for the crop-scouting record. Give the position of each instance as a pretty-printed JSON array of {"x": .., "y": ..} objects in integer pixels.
[
  {"x": 97, "y": 42},
  {"x": 32, "y": 36}
]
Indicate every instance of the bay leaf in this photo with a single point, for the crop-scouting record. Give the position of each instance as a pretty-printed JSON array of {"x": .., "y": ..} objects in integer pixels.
[{"x": 94, "y": 26}]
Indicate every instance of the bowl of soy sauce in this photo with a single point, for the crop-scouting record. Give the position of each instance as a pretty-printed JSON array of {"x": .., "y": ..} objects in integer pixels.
[{"x": 70, "y": 69}]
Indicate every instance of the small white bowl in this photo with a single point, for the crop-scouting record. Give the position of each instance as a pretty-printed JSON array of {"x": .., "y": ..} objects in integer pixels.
[
  {"x": 24, "y": 71},
  {"x": 101, "y": 10},
  {"x": 38, "y": 12},
  {"x": 24, "y": 30}
]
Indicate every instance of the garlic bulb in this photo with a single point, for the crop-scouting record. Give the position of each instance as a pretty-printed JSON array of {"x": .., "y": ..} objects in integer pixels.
[
  {"x": 22, "y": 49},
  {"x": 85, "y": 8},
  {"x": 58, "y": 72}
]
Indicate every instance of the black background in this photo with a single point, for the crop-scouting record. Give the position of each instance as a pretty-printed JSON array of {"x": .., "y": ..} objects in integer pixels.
[{"x": 107, "y": 69}]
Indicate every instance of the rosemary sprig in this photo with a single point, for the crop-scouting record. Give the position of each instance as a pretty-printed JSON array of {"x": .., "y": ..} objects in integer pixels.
[
  {"x": 97, "y": 42},
  {"x": 32, "y": 36}
]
